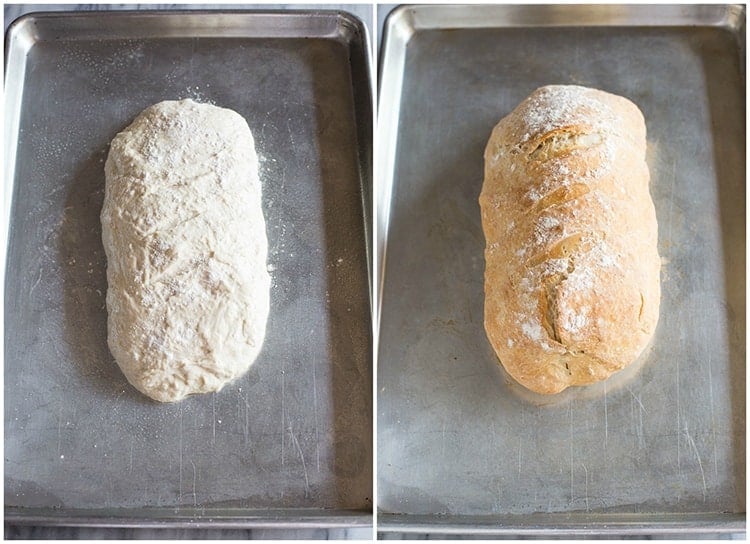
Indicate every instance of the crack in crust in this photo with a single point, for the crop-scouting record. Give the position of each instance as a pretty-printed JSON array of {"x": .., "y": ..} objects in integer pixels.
[
  {"x": 560, "y": 142},
  {"x": 563, "y": 194},
  {"x": 561, "y": 249},
  {"x": 548, "y": 303}
]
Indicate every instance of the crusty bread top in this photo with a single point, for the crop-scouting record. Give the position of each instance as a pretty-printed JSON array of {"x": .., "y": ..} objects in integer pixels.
[{"x": 572, "y": 276}]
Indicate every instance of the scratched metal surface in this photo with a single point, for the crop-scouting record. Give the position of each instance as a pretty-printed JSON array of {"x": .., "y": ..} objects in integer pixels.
[
  {"x": 295, "y": 432},
  {"x": 455, "y": 436}
]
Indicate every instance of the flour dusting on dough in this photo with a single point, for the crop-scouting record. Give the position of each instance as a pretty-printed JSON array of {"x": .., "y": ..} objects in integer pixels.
[{"x": 186, "y": 246}]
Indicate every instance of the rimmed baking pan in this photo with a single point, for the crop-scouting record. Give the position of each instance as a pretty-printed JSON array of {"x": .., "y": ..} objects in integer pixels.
[
  {"x": 289, "y": 444},
  {"x": 462, "y": 449}
]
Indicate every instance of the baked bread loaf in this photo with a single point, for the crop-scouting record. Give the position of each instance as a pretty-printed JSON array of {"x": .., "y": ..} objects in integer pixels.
[{"x": 572, "y": 269}]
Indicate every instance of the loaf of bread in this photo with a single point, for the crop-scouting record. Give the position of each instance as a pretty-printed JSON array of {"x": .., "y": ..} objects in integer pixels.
[{"x": 572, "y": 283}]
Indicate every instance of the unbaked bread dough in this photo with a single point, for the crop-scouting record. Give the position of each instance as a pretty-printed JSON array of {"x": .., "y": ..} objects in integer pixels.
[{"x": 186, "y": 247}]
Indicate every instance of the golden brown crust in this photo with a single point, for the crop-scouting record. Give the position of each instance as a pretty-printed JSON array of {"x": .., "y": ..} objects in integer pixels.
[{"x": 572, "y": 270}]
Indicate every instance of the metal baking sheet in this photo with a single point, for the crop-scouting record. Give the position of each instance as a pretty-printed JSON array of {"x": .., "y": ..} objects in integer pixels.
[
  {"x": 288, "y": 444},
  {"x": 462, "y": 449}
]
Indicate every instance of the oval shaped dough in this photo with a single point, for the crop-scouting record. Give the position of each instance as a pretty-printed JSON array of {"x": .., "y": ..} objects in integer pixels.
[
  {"x": 572, "y": 269},
  {"x": 185, "y": 239}
]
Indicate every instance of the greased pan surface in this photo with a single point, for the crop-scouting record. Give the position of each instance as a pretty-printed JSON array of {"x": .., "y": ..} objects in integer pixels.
[
  {"x": 290, "y": 442},
  {"x": 460, "y": 447}
]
